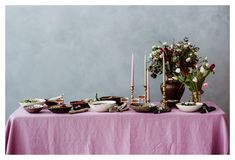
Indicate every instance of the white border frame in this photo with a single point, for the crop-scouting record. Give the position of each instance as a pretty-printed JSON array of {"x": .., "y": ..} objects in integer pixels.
[{"x": 3, "y": 3}]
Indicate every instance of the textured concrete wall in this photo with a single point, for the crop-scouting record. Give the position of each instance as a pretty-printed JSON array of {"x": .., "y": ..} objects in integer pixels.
[{"x": 81, "y": 50}]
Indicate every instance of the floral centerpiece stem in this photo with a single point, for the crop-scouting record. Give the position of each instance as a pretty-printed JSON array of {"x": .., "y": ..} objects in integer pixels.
[{"x": 196, "y": 78}]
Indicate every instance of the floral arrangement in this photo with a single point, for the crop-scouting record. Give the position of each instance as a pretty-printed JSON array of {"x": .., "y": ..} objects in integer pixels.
[
  {"x": 196, "y": 78},
  {"x": 180, "y": 57},
  {"x": 182, "y": 64}
]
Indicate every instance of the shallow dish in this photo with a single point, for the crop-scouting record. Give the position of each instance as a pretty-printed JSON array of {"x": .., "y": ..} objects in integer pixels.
[
  {"x": 60, "y": 108},
  {"x": 138, "y": 107},
  {"x": 31, "y": 101},
  {"x": 101, "y": 106},
  {"x": 189, "y": 108},
  {"x": 33, "y": 108}
]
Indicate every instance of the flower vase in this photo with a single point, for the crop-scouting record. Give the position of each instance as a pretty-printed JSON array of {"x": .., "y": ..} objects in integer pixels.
[
  {"x": 196, "y": 96},
  {"x": 174, "y": 91}
]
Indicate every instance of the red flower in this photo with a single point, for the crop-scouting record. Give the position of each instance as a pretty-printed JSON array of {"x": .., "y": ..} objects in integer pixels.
[{"x": 212, "y": 66}]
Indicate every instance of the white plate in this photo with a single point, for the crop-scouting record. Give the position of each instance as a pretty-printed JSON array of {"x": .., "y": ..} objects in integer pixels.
[
  {"x": 101, "y": 106},
  {"x": 192, "y": 108}
]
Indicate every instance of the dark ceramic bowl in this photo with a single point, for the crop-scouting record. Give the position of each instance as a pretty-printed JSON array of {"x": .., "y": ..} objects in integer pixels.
[
  {"x": 33, "y": 108},
  {"x": 60, "y": 108},
  {"x": 117, "y": 99},
  {"x": 50, "y": 103},
  {"x": 79, "y": 104}
]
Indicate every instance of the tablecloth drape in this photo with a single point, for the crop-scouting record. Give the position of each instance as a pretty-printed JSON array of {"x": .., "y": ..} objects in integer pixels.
[{"x": 128, "y": 132}]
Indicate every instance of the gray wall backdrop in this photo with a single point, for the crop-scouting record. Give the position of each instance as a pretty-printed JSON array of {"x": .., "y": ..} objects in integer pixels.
[{"x": 81, "y": 50}]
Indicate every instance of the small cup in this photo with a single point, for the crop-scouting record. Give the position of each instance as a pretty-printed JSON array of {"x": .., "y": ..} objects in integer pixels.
[
  {"x": 135, "y": 100},
  {"x": 142, "y": 99}
]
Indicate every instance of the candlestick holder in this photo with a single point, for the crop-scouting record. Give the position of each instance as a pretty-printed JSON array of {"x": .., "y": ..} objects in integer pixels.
[
  {"x": 163, "y": 103},
  {"x": 163, "y": 107},
  {"x": 145, "y": 93},
  {"x": 132, "y": 92}
]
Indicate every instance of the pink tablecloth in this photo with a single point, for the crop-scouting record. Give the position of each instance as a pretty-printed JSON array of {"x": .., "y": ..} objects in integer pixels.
[{"x": 117, "y": 133}]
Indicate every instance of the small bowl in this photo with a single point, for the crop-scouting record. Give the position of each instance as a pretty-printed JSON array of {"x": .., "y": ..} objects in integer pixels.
[
  {"x": 101, "y": 106},
  {"x": 33, "y": 108},
  {"x": 60, "y": 108},
  {"x": 80, "y": 104},
  {"x": 189, "y": 108},
  {"x": 117, "y": 99}
]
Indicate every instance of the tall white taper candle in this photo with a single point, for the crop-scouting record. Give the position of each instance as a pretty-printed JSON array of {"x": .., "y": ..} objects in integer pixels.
[
  {"x": 145, "y": 70},
  {"x": 132, "y": 70},
  {"x": 148, "y": 87},
  {"x": 163, "y": 69}
]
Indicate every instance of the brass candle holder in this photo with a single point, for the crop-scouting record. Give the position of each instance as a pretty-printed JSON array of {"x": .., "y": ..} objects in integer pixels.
[
  {"x": 163, "y": 107},
  {"x": 163, "y": 103},
  {"x": 132, "y": 92}
]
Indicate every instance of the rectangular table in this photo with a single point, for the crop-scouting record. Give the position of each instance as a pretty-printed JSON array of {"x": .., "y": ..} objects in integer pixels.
[{"x": 128, "y": 132}]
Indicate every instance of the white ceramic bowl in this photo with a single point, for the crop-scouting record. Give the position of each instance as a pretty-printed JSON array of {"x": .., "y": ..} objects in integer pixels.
[
  {"x": 191, "y": 108},
  {"x": 101, "y": 106},
  {"x": 31, "y": 101}
]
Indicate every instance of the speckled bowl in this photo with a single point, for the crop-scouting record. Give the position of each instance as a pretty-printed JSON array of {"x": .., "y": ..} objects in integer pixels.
[{"x": 33, "y": 108}]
